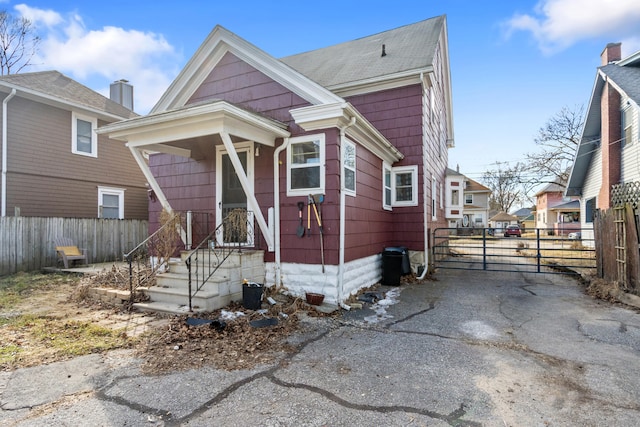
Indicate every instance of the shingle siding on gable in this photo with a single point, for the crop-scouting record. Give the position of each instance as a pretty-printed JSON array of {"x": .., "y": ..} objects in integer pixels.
[{"x": 235, "y": 81}]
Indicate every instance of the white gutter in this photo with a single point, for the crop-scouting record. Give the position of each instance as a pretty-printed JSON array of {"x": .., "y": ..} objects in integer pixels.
[
  {"x": 6, "y": 100},
  {"x": 276, "y": 205},
  {"x": 425, "y": 204},
  {"x": 343, "y": 209}
]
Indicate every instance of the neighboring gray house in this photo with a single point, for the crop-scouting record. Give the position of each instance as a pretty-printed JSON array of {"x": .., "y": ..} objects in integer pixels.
[
  {"x": 466, "y": 201},
  {"x": 53, "y": 162},
  {"x": 609, "y": 147}
]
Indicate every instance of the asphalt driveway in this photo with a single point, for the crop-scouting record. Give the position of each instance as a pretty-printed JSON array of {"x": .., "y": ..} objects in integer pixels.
[{"x": 468, "y": 349}]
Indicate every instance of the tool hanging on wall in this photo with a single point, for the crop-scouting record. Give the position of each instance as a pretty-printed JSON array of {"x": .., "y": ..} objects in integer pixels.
[
  {"x": 308, "y": 216},
  {"x": 300, "y": 230},
  {"x": 319, "y": 220}
]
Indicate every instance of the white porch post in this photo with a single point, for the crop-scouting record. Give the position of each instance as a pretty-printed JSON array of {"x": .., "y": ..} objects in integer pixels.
[
  {"x": 244, "y": 181},
  {"x": 146, "y": 171}
]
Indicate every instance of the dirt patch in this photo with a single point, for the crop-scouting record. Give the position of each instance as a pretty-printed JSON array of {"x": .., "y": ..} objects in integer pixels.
[{"x": 57, "y": 311}]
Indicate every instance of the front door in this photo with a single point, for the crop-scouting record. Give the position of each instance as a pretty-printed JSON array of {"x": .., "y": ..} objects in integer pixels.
[{"x": 232, "y": 200}]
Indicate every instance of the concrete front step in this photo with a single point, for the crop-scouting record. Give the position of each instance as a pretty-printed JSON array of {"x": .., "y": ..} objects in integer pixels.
[
  {"x": 172, "y": 288},
  {"x": 204, "y": 299},
  {"x": 164, "y": 307}
]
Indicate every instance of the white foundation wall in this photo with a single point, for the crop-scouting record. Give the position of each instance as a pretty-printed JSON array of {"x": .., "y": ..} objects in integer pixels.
[{"x": 301, "y": 278}]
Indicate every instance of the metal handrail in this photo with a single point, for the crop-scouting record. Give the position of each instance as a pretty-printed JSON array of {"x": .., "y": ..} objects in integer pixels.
[
  {"x": 139, "y": 250},
  {"x": 214, "y": 256}
]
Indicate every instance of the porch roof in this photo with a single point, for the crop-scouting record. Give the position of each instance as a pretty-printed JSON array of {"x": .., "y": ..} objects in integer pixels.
[{"x": 179, "y": 131}]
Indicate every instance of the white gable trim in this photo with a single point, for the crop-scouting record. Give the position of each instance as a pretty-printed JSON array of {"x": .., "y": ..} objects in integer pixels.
[
  {"x": 218, "y": 43},
  {"x": 191, "y": 122},
  {"x": 339, "y": 116}
]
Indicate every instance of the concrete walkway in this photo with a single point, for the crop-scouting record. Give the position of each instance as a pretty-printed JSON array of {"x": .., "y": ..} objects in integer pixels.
[{"x": 470, "y": 349}]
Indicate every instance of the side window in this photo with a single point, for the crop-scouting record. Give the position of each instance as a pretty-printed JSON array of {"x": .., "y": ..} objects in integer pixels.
[
  {"x": 589, "y": 210},
  {"x": 84, "y": 140},
  {"x": 386, "y": 186},
  {"x": 305, "y": 165},
  {"x": 110, "y": 203},
  {"x": 405, "y": 186},
  {"x": 626, "y": 123},
  {"x": 349, "y": 167},
  {"x": 468, "y": 199}
]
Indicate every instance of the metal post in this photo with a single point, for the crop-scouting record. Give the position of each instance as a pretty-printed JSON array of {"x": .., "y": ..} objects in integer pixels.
[
  {"x": 484, "y": 248},
  {"x": 188, "y": 262},
  {"x": 538, "y": 255},
  {"x": 189, "y": 234}
]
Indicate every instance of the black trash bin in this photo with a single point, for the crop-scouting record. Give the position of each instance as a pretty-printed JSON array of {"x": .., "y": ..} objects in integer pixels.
[
  {"x": 391, "y": 267},
  {"x": 406, "y": 264},
  {"x": 252, "y": 295}
]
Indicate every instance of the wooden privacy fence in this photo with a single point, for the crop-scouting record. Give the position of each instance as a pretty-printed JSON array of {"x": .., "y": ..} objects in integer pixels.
[
  {"x": 617, "y": 253},
  {"x": 27, "y": 243}
]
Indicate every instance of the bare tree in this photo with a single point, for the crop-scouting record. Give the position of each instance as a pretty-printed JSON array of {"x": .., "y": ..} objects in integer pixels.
[
  {"x": 507, "y": 185},
  {"x": 558, "y": 141},
  {"x": 18, "y": 43}
]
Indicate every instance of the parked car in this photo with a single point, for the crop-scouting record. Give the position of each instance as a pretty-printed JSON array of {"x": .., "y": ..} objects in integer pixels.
[
  {"x": 575, "y": 235},
  {"x": 512, "y": 230}
]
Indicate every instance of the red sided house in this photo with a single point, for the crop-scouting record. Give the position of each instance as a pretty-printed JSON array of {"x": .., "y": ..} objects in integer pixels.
[{"x": 364, "y": 126}]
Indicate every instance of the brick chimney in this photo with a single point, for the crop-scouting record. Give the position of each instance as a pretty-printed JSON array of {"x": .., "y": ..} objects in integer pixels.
[
  {"x": 610, "y": 132},
  {"x": 612, "y": 52}
]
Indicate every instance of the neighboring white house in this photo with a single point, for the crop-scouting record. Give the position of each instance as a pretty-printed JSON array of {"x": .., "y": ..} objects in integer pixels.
[
  {"x": 609, "y": 149},
  {"x": 466, "y": 201}
]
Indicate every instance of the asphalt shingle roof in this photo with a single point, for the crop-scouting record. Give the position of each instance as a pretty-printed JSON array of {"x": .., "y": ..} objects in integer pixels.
[
  {"x": 628, "y": 78},
  {"x": 411, "y": 47},
  {"x": 57, "y": 85}
]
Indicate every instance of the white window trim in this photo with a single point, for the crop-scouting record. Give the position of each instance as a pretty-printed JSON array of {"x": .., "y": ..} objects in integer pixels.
[
  {"x": 74, "y": 134},
  {"x": 414, "y": 185},
  {"x": 349, "y": 191},
  {"x": 465, "y": 199},
  {"x": 112, "y": 192},
  {"x": 306, "y": 191},
  {"x": 386, "y": 168}
]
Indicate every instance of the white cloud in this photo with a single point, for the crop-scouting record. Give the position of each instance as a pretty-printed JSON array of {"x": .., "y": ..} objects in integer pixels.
[
  {"x": 37, "y": 16},
  {"x": 557, "y": 24},
  {"x": 146, "y": 59}
]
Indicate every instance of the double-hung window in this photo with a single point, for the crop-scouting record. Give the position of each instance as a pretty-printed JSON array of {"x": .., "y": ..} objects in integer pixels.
[
  {"x": 400, "y": 186},
  {"x": 110, "y": 203},
  {"x": 84, "y": 140},
  {"x": 305, "y": 165}
]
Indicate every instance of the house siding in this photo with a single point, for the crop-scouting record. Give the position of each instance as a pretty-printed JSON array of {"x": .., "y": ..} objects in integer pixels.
[
  {"x": 631, "y": 149},
  {"x": 44, "y": 178},
  {"x": 403, "y": 226}
]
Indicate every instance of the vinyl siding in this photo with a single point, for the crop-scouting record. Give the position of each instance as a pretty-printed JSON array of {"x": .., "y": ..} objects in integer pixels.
[{"x": 44, "y": 178}]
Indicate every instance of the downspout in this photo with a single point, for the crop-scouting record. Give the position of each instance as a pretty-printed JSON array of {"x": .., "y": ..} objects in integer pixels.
[
  {"x": 424, "y": 187},
  {"x": 343, "y": 209},
  {"x": 6, "y": 100},
  {"x": 276, "y": 206}
]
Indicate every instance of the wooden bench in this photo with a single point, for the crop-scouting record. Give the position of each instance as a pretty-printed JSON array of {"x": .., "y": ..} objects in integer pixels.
[{"x": 69, "y": 253}]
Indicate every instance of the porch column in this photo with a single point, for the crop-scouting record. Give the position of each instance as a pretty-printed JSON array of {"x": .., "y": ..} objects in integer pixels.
[{"x": 244, "y": 181}]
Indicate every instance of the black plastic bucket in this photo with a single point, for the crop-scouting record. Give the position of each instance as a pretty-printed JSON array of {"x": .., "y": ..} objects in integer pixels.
[{"x": 252, "y": 295}]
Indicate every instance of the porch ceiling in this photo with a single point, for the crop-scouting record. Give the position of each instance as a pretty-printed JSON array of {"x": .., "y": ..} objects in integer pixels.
[{"x": 189, "y": 130}]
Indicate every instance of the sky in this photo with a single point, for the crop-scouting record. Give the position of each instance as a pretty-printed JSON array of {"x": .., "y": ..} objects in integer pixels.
[{"x": 514, "y": 64}]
